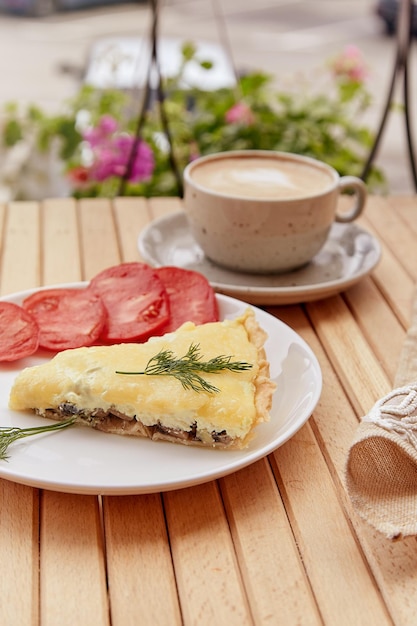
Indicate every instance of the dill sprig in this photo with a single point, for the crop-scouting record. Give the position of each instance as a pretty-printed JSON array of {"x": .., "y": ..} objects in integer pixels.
[
  {"x": 187, "y": 369},
  {"x": 10, "y": 434}
]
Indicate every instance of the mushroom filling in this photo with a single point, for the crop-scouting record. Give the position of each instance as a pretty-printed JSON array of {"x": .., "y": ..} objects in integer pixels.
[{"x": 117, "y": 422}]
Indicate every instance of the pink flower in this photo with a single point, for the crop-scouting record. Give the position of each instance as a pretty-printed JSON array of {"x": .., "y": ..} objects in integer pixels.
[
  {"x": 350, "y": 65},
  {"x": 111, "y": 152},
  {"x": 240, "y": 113},
  {"x": 106, "y": 164},
  {"x": 105, "y": 128},
  {"x": 144, "y": 163}
]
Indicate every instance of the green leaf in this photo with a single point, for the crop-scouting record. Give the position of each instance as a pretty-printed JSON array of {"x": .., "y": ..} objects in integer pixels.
[{"x": 12, "y": 133}]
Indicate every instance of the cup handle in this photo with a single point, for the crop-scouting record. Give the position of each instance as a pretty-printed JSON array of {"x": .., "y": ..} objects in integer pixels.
[{"x": 352, "y": 183}]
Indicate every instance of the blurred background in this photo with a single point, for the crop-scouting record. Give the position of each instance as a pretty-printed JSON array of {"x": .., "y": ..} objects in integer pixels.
[{"x": 49, "y": 47}]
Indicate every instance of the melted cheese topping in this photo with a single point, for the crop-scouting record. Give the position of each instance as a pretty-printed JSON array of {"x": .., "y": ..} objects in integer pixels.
[{"x": 87, "y": 378}]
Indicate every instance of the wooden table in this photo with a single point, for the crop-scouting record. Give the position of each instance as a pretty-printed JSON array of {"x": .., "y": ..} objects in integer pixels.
[{"x": 275, "y": 543}]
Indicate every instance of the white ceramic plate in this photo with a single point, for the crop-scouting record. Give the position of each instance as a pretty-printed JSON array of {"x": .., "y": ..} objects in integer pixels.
[
  {"x": 80, "y": 460},
  {"x": 349, "y": 254}
]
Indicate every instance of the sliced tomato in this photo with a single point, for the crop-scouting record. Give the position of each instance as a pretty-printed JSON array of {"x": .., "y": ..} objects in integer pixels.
[
  {"x": 19, "y": 332},
  {"x": 191, "y": 297},
  {"x": 67, "y": 318},
  {"x": 136, "y": 302}
]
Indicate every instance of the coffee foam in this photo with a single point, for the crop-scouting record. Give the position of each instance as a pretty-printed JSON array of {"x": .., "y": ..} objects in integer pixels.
[{"x": 261, "y": 177}]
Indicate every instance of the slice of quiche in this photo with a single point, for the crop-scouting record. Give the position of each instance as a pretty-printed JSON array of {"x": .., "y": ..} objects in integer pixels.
[{"x": 105, "y": 387}]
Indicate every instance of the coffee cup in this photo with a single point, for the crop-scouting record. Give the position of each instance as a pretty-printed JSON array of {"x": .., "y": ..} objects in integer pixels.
[{"x": 265, "y": 212}]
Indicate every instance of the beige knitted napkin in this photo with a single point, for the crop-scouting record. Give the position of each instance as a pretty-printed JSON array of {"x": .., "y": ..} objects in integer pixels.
[{"x": 381, "y": 468}]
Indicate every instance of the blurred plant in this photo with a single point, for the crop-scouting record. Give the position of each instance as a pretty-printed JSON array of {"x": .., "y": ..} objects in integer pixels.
[
  {"x": 94, "y": 135},
  {"x": 350, "y": 65}
]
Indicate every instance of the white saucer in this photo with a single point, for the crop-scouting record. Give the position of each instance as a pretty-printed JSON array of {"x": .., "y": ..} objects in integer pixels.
[{"x": 350, "y": 253}]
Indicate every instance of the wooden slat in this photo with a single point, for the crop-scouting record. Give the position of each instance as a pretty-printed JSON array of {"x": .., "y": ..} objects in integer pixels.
[
  {"x": 19, "y": 528},
  {"x": 61, "y": 252},
  {"x": 396, "y": 233},
  {"x": 160, "y": 207},
  {"x": 367, "y": 303},
  {"x": 73, "y": 580},
  {"x": 208, "y": 578},
  {"x": 333, "y": 560},
  {"x": 310, "y": 472},
  {"x": 394, "y": 282},
  {"x": 99, "y": 242},
  {"x": 73, "y": 586},
  {"x": 405, "y": 207},
  {"x": 20, "y": 267},
  {"x": 361, "y": 375},
  {"x": 140, "y": 573},
  {"x": 334, "y": 421},
  {"x": 19, "y": 505},
  {"x": 135, "y": 530},
  {"x": 132, "y": 215},
  {"x": 272, "y": 570}
]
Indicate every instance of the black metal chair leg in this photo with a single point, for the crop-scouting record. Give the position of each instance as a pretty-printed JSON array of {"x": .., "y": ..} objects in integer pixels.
[
  {"x": 410, "y": 143},
  {"x": 403, "y": 49}
]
